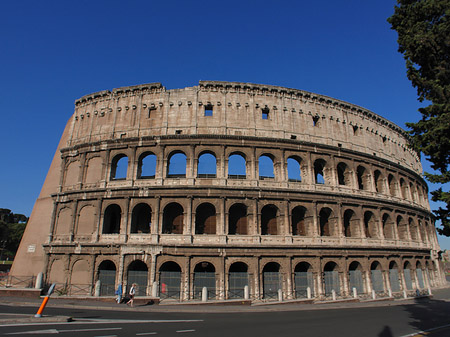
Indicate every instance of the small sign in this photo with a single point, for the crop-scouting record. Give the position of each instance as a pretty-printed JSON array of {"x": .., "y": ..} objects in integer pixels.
[{"x": 31, "y": 248}]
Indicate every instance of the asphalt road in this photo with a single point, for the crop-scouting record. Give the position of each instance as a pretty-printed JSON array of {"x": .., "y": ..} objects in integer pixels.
[{"x": 382, "y": 321}]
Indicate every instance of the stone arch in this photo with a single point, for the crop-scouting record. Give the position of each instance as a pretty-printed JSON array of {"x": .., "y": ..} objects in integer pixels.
[
  {"x": 205, "y": 219},
  {"x": 407, "y": 273},
  {"x": 379, "y": 181},
  {"x": 419, "y": 274},
  {"x": 344, "y": 174},
  {"x": 204, "y": 276},
  {"x": 173, "y": 218},
  {"x": 376, "y": 277},
  {"x": 107, "y": 277},
  {"x": 111, "y": 219},
  {"x": 370, "y": 225},
  {"x": 86, "y": 220},
  {"x": 57, "y": 272},
  {"x": 362, "y": 175},
  {"x": 319, "y": 175},
  {"x": 413, "y": 230},
  {"x": 266, "y": 166},
  {"x": 351, "y": 224},
  {"x": 394, "y": 277},
  {"x": 141, "y": 219},
  {"x": 119, "y": 167},
  {"x": 293, "y": 165},
  {"x": 207, "y": 165},
  {"x": 72, "y": 172},
  {"x": 176, "y": 164},
  {"x": 303, "y": 279},
  {"x": 327, "y": 222},
  {"x": 299, "y": 225},
  {"x": 147, "y": 166},
  {"x": 392, "y": 185},
  {"x": 238, "y": 278},
  {"x": 403, "y": 189},
  {"x": 64, "y": 222},
  {"x": 272, "y": 281},
  {"x": 238, "y": 219},
  {"x": 170, "y": 280},
  {"x": 388, "y": 227},
  {"x": 331, "y": 278},
  {"x": 269, "y": 225},
  {"x": 402, "y": 228},
  {"x": 80, "y": 277},
  {"x": 356, "y": 281},
  {"x": 94, "y": 170},
  {"x": 237, "y": 166},
  {"x": 137, "y": 273}
]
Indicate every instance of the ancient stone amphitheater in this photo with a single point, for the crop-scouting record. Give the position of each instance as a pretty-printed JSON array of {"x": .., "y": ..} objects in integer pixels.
[{"x": 247, "y": 190}]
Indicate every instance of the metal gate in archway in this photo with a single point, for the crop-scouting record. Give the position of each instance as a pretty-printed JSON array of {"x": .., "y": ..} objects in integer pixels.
[
  {"x": 408, "y": 281},
  {"x": 356, "y": 281},
  {"x": 237, "y": 281},
  {"x": 377, "y": 280},
  {"x": 394, "y": 280},
  {"x": 107, "y": 280},
  {"x": 169, "y": 284},
  {"x": 419, "y": 274},
  {"x": 204, "y": 279},
  {"x": 271, "y": 282},
  {"x": 331, "y": 282},
  {"x": 140, "y": 277},
  {"x": 302, "y": 281}
]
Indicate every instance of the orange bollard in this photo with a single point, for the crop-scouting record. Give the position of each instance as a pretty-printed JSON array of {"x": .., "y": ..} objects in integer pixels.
[
  {"x": 41, "y": 308},
  {"x": 44, "y": 302}
]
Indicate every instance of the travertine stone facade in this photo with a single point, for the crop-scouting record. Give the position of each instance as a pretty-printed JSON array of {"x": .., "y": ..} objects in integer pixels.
[{"x": 225, "y": 185}]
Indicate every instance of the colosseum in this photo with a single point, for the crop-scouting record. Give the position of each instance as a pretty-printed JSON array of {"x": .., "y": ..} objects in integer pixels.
[{"x": 231, "y": 191}]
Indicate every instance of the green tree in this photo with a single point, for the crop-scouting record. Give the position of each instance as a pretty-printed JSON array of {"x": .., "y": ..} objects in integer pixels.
[
  {"x": 423, "y": 29},
  {"x": 12, "y": 227}
]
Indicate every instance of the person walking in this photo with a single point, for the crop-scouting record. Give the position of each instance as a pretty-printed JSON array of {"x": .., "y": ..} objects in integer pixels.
[
  {"x": 119, "y": 293},
  {"x": 132, "y": 293}
]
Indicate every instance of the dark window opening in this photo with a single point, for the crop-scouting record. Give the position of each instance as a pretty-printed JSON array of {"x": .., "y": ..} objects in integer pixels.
[
  {"x": 298, "y": 221},
  {"x": 208, "y": 110},
  {"x": 316, "y": 120},
  {"x": 205, "y": 219},
  {"x": 173, "y": 219},
  {"x": 265, "y": 113},
  {"x": 141, "y": 219},
  {"x": 111, "y": 221},
  {"x": 237, "y": 220},
  {"x": 269, "y": 220}
]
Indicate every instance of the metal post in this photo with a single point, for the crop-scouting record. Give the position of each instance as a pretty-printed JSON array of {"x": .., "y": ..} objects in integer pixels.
[
  {"x": 246, "y": 293},
  {"x": 374, "y": 295},
  {"x": 204, "y": 294},
  {"x": 333, "y": 294},
  {"x": 355, "y": 293},
  {"x": 308, "y": 293}
]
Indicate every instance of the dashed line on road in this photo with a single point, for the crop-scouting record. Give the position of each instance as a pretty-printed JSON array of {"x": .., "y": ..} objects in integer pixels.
[
  {"x": 427, "y": 332},
  {"x": 181, "y": 331},
  {"x": 146, "y": 333}
]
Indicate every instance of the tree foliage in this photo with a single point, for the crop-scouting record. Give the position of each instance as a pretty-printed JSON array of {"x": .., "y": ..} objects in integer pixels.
[
  {"x": 423, "y": 29},
  {"x": 12, "y": 227}
]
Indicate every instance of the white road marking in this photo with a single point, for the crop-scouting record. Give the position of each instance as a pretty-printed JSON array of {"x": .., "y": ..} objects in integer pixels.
[
  {"x": 104, "y": 321},
  {"x": 418, "y": 333},
  {"x": 55, "y": 331},
  {"x": 146, "y": 333},
  {"x": 185, "y": 330}
]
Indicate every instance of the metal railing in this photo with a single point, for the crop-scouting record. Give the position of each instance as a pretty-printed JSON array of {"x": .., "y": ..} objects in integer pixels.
[{"x": 17, "y": 281}]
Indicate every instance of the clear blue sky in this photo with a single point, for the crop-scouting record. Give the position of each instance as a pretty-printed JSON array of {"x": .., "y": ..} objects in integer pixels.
[{"x": 53, "y": 52}]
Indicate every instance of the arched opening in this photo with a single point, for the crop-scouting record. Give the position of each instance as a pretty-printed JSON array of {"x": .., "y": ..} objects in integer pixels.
[
  {"x": 413, "y": 192},
  {"x": 388, "y": 227},
  {"x": 376, "y": 276},
  {"x": 331, "y": 279},
  {"x": 413, "y": 230},
  {"x": 294, "y": 169},
  {"x": 204, "y": 276},
  {"x": 370, "y": 226},
  {"x": 271, "y": 280},
  {"x": 176, "y": 165},
  {"x": 269, "y": 220},
  {"x": 205, "y": 219},
  {"x": 407, "y": 275},
  {"x": 146, "y": 166},
  {"x": 237, "y": 280},
  {"x": 169, "y": 280},
  {"x": 141, "y": 219},
  {"x": 119, "y": 167},
  {"x": 237, "y": 220},
  {"x": 137, "y": 274},
  {"x": 325, "y": 216},
  {"x": 379, "y": 182},
  {"x": 403, "y": 189},
  {"x": 266, "y": 170},
  {"x": 107, "y": 278},
  {"x": 111, "y": 219},
  {"x": 402, "y": 229},
  {"x": 319, "y": 176},
  {"x": 419, "y": 274},
  {"x": 207, "y": 165},
  {"x": 391, "y": 182},
  {"x": 298, "y": 221},
  {"x": 351, "y": 224},
  {"x": 362, "y": 178},
  {"x": 394, "y": 278},
  {"x": 303, "y": 279},
  {"x": 173, "y": 219},
  {"x": 423, "y": 232},
  {"x": 236, "y": 166},
  {"x": 355, "y": 277},
  {"x": 343, "y": 175}
]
